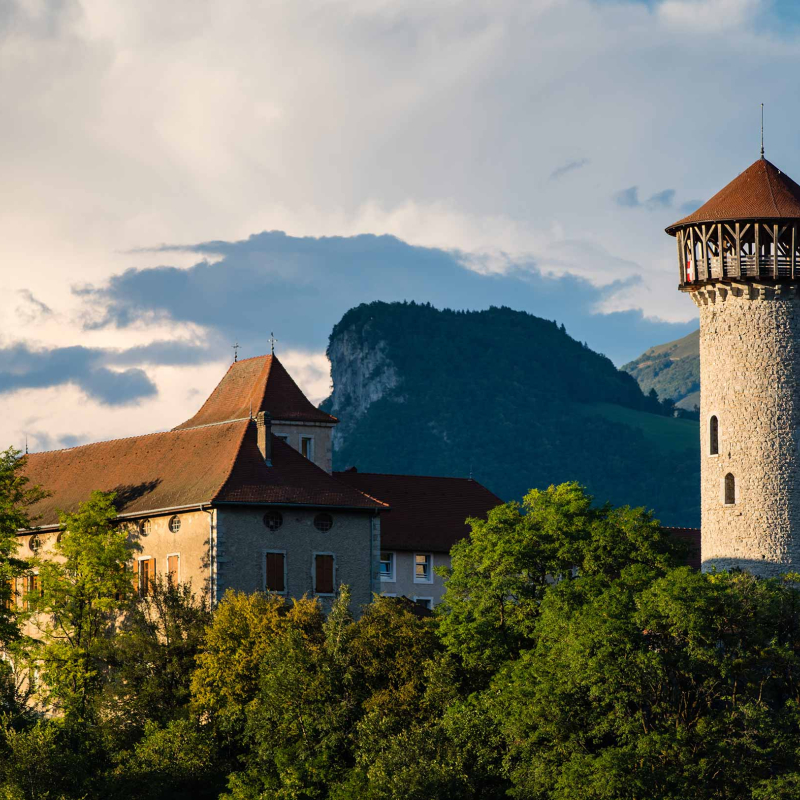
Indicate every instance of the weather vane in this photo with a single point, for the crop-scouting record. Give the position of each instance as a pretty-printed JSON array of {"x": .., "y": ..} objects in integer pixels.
[
  {"x": 236, "y": 352},
  {"x": 272, "y": 342},
  {"x": 762, "y": 130}
]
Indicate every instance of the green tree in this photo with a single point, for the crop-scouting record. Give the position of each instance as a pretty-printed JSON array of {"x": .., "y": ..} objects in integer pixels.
[
  {"x": 83, "y": 591},
  {"x": 17, "y": 496},
  {"x": 686, "y": 686},
  {"x": 500, "y": 574},
  {"x": 152, "y": 657}
]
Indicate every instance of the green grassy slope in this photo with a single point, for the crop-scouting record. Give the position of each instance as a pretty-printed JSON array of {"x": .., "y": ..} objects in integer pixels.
[{"x": 672, "y": 369}]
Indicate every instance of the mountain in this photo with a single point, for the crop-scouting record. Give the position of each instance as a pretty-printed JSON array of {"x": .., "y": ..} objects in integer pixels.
[
  {"x": 508, "y": 397},
  {"x": 672, "y": 369}
]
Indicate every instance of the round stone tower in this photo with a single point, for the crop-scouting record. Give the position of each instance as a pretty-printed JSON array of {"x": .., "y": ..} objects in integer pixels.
[{"x": 739, "y": 260}]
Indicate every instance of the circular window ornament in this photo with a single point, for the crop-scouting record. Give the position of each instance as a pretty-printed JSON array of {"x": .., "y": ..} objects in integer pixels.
[
  {"x": 34, "y": 543},
  {"x": 175, "y": 523},
  {"x": 273, "y": 520},
  {"x": 323, "y": 522},
  {"x": 145, "y": 526}
]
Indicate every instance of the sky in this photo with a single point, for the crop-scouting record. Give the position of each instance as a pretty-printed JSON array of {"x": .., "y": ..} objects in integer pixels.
[{"x": 182, "y": 176}]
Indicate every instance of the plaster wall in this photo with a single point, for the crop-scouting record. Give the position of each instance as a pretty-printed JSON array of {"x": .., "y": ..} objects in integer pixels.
[
  {"x": 404, "y": 584},
  {"x": 749, "y": 372}
]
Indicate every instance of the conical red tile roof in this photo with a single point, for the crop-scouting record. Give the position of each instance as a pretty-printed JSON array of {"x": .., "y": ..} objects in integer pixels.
[
  {"x": 252, "y": 385},
  {"x": 762, "y": 191}
]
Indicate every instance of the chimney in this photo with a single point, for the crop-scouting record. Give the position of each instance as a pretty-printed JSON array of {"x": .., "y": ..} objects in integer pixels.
[{"x": 264, "y": 429}]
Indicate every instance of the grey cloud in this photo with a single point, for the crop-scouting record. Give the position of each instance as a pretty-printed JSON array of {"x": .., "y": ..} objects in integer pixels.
[
  {"x": 300, "y": 287},
  {"x": 570, "y": 166},
  {"x": 662, "y": 199},
  {"x": 628, "y": 198},
  {"x": 38, "y": 441},
  {"x": 25, "y": 367},
  {"x": 31, "y": 308},
  {"x": 689, "y": 206}
]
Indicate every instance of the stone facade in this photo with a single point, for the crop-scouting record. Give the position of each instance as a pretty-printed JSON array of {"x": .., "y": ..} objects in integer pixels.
[
  {"x": 242, "y": 542},
  {"x": 749, "y": 372},
  {"x": 319, "y": 434}
]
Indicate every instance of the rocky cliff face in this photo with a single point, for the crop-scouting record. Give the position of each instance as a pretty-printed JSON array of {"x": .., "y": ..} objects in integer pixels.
[{"x": 362, "y": 374}]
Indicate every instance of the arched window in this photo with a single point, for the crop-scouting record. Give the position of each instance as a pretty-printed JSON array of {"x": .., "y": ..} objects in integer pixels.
[
  {"x": 713, "y": 433},
  {"x": 730, "y": 489}
]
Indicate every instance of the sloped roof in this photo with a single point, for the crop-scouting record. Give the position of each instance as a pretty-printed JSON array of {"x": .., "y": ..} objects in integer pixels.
[
  {"x": 214, "y": 463},
  {"x": 252, "y": 385},
  {"x": 291, "y": 479},
  {"x": 762, "y": 191},
  {"x": 427, "y": 514}
]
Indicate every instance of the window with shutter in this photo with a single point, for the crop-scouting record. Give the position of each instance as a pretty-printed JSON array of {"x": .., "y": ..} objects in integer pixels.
[
  {"x": 276, "y": 581},
  {"x": 173, "y": 562},
  {"x": 323, "y": 574},
  {"x": 147, "y": 574}
]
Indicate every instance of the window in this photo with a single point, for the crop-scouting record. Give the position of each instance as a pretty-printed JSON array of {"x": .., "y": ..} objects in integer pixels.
[
  {"x": 147, "y": 576},
  {"x": 173, "y": 569},
  {"x": 273, "y": 520},
  {"x": 387, "y": 567},
  {"x": 713, "y": 435},
  {"x": 323, "y": 573},
  {"x": 34, "y": 543},
  {"x": 276, "y": 572},
  {"x": 284, "y": 437},
  {"x": 175, "y": 523},
  {"x": 423, "y": 572},
  {"x": 730, "y": 489},
  {"x": 323, "y": 522},
  {"x": 145, "y": 526},
  {"x": 307, "y": 447},
  {"x": 425, "y": 602},
  {"x": 30, "y": 586}
]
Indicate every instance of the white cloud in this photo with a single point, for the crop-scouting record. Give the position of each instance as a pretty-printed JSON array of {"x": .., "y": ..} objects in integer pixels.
[{"x": 141, "y": 123}]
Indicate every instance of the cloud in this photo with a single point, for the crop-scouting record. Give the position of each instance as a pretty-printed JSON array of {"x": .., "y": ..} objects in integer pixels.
[
  {"x": 662, "y": 199},
  {"x": 628, "y": 198},
  {"x": 690, "y": 206},
  {"x": 31, "y": 309},
  {"x": 570, "y": 166},
  {"x": 92, "y": 370},
  {"x": 300, "y": 287}
]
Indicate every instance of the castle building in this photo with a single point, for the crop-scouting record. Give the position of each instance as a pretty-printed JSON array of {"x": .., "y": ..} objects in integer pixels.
[
  {"x": 738, "y": 260},
  {"x": 242, "y": 496}
]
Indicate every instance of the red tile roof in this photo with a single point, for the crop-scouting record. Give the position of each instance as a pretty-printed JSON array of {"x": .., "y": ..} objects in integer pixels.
[
  {"x": 252, "y": 385},
  {"x": 692, "y": 537},
  {"x": 762, "y": 191},
  {"x": 214, "y": 463},
  {"x": 292, "y": 479},
  {"x": 426, "y": 513}
]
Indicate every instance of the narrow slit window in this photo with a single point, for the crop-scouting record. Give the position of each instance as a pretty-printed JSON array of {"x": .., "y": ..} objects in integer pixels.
[
  {"x": 730, "y": 489},
  {"x": 713, "y": 431}
]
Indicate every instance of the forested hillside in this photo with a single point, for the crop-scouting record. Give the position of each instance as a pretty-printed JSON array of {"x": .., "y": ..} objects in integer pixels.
[
  {"x": 511, "y": 398},
  {"x": 672, "y": 369}
]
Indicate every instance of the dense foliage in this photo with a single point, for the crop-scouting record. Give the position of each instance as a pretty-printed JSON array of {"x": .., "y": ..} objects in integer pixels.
[
  {"x": 515, "y": 399},
  {"x": 573, "y": 657}
]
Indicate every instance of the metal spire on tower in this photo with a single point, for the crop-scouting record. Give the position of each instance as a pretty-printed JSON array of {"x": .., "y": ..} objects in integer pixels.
[{"x": 762, "y": 130}]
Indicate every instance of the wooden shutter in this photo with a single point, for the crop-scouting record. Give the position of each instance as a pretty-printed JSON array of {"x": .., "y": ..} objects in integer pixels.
[
  {"x": 172, "y": 570},
  {"x": 147, "y": 574},
  {"x": 324, "y": 574},
  {"x": 275, "y": 572}
]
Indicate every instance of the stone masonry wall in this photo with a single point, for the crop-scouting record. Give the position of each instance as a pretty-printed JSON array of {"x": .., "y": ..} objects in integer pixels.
[{"x": 749, "y": 371}]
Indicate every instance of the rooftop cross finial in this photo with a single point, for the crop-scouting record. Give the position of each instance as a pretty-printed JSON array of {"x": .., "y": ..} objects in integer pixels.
[
  {"x": 272, "y": 342},
  {"x": 26, "y": 444},
  {"x": 762, "y": 130},
  {"x": 236, "y": 352}
]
